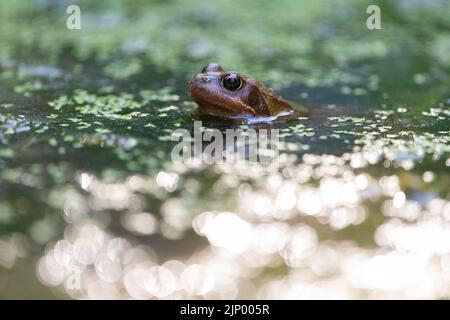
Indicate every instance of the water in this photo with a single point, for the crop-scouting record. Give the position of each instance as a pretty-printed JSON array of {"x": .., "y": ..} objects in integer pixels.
[{"x": 91, "y": 205}]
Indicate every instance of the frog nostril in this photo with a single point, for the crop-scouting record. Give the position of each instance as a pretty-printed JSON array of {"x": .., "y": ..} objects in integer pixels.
[{"x": 206, "y": 79}]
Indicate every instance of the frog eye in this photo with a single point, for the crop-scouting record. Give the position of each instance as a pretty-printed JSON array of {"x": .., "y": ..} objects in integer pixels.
[{"x": 232, "y": 82}]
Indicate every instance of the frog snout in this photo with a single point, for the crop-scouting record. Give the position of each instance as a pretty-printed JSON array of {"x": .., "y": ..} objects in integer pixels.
[{"x": 200, "y": 81}]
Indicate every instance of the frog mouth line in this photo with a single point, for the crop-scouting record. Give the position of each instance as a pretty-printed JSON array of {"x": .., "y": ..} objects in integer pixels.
[{"x": 230, "y": 111}]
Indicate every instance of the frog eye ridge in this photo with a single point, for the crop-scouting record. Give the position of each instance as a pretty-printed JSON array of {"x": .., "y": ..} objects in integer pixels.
[{"x": 232, "y": 82}]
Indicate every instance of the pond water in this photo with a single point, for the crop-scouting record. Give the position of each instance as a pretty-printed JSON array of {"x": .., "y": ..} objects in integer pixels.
[{"x": 91, "y": 205}]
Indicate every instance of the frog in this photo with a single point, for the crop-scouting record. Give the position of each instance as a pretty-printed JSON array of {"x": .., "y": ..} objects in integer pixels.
[{"x": 230, "y": 95}]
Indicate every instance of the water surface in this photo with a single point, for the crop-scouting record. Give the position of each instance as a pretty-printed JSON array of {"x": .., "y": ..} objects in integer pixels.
[{"x": 91, "y": 205}]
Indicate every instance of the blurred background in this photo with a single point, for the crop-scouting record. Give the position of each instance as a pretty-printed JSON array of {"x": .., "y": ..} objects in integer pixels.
[{"x": 91, "y": 205}]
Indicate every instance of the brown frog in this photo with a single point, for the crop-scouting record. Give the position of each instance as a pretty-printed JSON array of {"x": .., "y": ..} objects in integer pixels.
[{"x": 231, "y": 95}]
